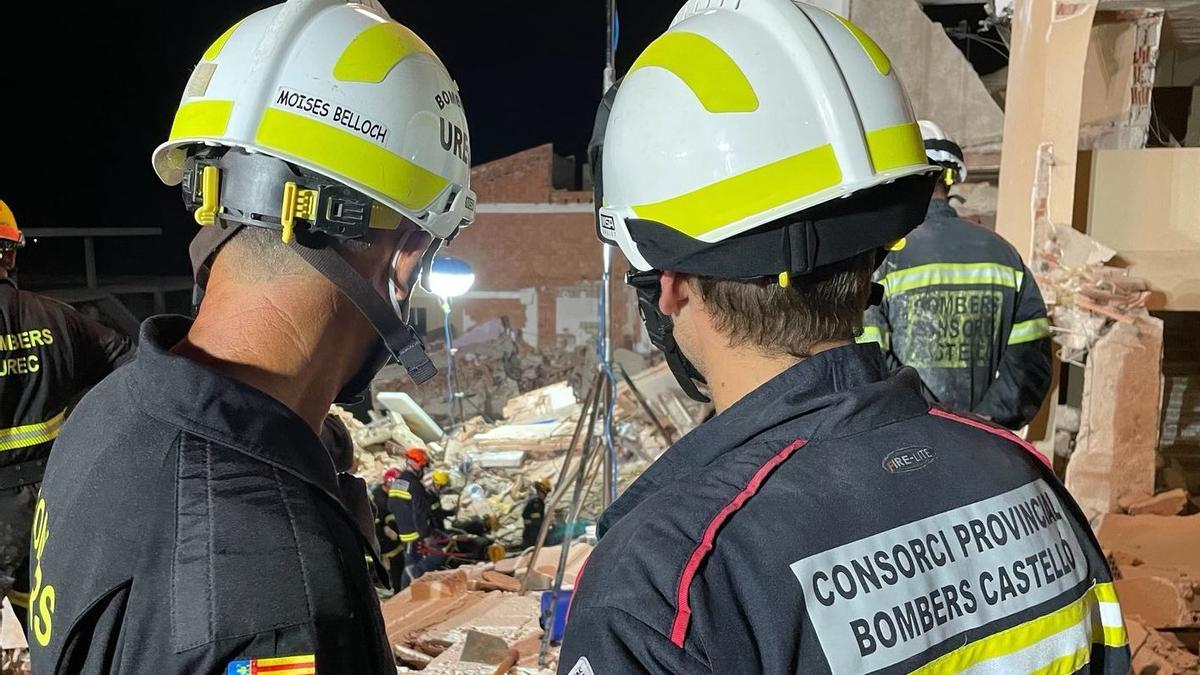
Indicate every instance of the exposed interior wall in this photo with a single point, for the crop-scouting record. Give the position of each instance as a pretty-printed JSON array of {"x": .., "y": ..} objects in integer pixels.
[{"x": 942, "y": 84}]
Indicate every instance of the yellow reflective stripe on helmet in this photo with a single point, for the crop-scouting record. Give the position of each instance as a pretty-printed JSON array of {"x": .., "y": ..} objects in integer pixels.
[
  {"x": 881, "y": 61},
  {"x": 727, "y": 201},
  {"x": 895, "y": 147},
  {"x": 215, "y": 48},
  {"x": 1089, "y": 611},
  {"x": 28, "y": 435},
  {"x": 201, "y": 119},
  {"x": 1028, "y": 331},
  {"x": 409, "y": 537},
  {"x": 874, "y": 334},
  {"x": 399, "y": 494},
  {"x": 951, "y": 274},
  {"x": 373, "y": 53},
  {"x": 338, "y": 152},
  {"x": 704, "y": 67}
]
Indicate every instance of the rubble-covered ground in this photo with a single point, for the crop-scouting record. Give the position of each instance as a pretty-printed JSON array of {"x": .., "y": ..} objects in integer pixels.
[
  {"x": 1155, "y": 556},
  {"x": 493, "y": 462}
]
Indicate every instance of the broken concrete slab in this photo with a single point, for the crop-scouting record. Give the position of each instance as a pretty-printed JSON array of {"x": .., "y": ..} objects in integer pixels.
[
  {"x": 1135, "y": 498},
  {"x": 1163, "y": 541},
  {"x": 1154, "y": 601},
  {"x": 1118, "y": 437},
  {"x": 496, "y": 581},
  {"x": 444, "y": 584},
  {"x": 1157, "y": 654},
  {"x": 942, "y": 84},
  {"x": 1169, "y": 503},
  {"x": 547, "y": 563}
]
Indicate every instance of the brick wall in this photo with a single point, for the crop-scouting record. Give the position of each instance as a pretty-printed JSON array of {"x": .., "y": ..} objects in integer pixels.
[{"x": 550, "y": 253}]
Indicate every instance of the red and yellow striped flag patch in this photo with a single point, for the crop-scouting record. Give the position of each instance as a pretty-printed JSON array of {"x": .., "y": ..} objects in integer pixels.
[{"x": 301, "y": 664}]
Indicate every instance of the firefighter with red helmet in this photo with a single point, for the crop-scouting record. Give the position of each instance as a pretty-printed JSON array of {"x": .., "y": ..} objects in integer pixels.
[{"x": 408, "y": 504}]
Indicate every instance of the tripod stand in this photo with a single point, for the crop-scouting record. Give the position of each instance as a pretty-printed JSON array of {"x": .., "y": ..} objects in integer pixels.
[{"x": 580, "y": 465}]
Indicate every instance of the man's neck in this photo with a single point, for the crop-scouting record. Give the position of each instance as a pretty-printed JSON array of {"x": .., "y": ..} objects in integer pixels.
[
  {"x": 298, "y": 352},
  {"x": 736, "y": 372}
]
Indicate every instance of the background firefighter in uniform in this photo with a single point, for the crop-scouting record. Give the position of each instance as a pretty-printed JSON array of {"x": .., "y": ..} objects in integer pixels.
[
  {"x": 51, "y": 355},
  {"x": 390, "y": 546},
  {"x": 888, "y": 548},
  {"x": 409, "y": 503},
  {"x": 226, "y": 546},
  {"x": 961, "y": 308},
  {"x": 534, "y": 512}
]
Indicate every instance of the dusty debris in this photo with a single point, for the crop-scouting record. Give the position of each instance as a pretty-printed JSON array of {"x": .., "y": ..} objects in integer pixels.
[
  {"x": 1156, "y": 561},
  {"x": 428, "y": 622},
  {"x": 1169, "y": 503},
  {"x": 1157, "y": 653},
  {"x": 1084, "y": 295}
]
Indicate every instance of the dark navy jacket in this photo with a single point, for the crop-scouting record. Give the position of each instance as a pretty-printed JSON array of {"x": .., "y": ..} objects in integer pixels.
[
  {"x": 830, "y": 521},
  {"x": 189, "y": 523},
  {"x": 49, "y": 355},
  {"x": 961, "y": 308}
]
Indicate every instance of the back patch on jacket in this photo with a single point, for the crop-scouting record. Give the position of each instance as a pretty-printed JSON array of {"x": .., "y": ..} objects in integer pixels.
[{"x": 888, "y": 597}]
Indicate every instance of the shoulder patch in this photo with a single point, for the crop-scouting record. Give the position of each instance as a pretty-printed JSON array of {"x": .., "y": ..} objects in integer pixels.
[{"x": 582, "y": 667}]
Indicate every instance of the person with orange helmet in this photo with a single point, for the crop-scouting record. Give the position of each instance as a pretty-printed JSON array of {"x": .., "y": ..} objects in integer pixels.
[
  {"x": 49, "y": 355},
  {"x": 408, "y": 503}
]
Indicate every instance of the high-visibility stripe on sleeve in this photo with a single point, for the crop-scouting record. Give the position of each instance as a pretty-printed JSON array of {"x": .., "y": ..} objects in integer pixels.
[
  {"x": 1057, "y": 643},
  {"x": 28, "y": 435},
  {"x": 390, "y": 518},
  {"x": 399, "y": 494},
  {"x": 951, "y": 274},
  {"x": 874, "y": 334},
  {"x": 1028, "y": 331},
  {"x": 388, "y": 555},
  {"x": 409, "y": 537}
]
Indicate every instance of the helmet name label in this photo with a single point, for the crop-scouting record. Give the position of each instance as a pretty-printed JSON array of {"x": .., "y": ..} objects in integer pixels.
[{"x": 325, "y": 110}]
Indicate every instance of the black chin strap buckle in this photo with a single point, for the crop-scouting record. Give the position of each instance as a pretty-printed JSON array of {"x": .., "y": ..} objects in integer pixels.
[{"x": 659, "y": 327}]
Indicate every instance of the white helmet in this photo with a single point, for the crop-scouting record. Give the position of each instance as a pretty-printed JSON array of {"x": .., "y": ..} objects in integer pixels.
[
  {"x": 943, "y": 152},
  {"x": 323, "y": 119},
  {"x": 341, "y": 90},
  {"x": 745, "y": 113}
]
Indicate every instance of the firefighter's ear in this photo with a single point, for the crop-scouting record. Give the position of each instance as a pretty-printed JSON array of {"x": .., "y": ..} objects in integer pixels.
[{"x": 677, "y": 292}]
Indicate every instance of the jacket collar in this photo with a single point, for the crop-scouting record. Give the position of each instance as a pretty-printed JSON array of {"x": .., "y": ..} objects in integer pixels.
[
  {"x": 210, "y": 405},
  {"x": 838, "y": 392}
]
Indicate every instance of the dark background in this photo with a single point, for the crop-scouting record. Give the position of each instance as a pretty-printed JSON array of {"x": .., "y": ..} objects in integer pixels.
[{"x": 91, "y": 89}]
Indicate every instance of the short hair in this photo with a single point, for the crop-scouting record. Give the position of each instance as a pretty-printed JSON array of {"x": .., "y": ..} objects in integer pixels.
[
  {"x": 257, "y": 254},
  {"x": 823, "y": 306}
]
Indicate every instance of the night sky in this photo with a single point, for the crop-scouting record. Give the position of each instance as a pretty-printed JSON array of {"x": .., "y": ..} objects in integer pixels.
[{"x": 79, "y": 135}]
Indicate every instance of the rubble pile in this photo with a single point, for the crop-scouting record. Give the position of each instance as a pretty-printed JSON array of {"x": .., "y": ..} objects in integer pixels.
[
  {"x": 429, "y": 623},
  {"x": 1085, "y": 295},
  {"x": 1155, "y": 556},
  {"x": 492, "y": 364},
  {"x": 493, "y": 465}
]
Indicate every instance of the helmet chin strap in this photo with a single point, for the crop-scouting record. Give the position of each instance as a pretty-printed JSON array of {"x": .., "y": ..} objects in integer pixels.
[
  {"x": 660, "y": 328},
  {"x": 397, "y": 339}
]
